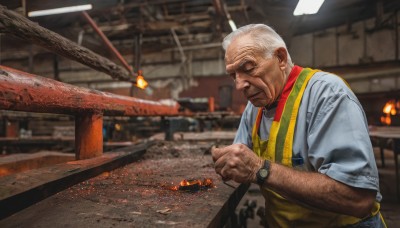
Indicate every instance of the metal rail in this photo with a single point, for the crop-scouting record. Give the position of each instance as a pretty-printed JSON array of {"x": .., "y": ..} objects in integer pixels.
[{"x": 107, "y": 41}]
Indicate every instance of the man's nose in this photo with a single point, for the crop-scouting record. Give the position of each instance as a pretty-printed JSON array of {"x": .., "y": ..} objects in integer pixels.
[{"x": 241, "y": 82}]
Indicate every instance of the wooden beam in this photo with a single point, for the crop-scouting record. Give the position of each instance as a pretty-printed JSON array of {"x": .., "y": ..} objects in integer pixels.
[
  {"x": 14, "y": 23},
  {"x": 20, "y": 91}
]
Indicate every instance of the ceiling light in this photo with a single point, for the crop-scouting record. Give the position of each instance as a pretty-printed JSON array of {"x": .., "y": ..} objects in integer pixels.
[
  {"x": 68, "y": 9},
  {"x": 307, "y": 7}
]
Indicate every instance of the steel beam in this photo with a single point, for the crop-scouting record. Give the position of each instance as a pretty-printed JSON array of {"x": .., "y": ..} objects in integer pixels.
[{"x": 107, "y": 41}]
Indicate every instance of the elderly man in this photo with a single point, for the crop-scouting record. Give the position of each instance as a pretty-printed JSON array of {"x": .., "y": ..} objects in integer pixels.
[{"x": 303, "y": 138}]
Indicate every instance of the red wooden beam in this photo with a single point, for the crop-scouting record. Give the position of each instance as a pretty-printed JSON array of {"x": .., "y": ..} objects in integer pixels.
[{"x": 20, "y": 91}]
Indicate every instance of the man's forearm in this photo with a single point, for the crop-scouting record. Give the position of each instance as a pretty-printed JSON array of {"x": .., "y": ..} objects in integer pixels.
[{"x": 321, "y": 191}]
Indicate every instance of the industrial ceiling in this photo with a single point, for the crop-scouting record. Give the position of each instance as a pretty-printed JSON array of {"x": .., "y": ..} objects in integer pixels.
[{"x": 160, "y": 23}]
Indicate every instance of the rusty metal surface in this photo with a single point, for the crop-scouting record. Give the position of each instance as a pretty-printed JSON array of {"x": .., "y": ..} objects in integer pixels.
[
  {"x": 20, "y": 91},
  {"x": 139, "y": 195}
]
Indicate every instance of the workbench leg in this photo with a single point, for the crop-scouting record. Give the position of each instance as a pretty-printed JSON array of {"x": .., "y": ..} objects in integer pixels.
[{"x": 88, "y": 135}]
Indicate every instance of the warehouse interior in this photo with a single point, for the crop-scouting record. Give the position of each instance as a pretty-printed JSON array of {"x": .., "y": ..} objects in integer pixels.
[{"x": 83, "y": 145}]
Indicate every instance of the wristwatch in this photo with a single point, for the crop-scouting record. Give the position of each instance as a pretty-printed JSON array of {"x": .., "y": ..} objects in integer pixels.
[{"x": 263, "y": 172}]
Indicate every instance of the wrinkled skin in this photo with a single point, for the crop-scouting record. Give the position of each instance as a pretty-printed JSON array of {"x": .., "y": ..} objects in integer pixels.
[
  {"x": 260, "y": 79},
  {"x": 236, "y": 162}
]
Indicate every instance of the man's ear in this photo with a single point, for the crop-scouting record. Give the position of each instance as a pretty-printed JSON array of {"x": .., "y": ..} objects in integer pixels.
[{"x": 281, "y": 54}]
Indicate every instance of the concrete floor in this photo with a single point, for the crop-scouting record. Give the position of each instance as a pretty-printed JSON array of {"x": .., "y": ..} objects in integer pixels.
[{"x": 390, "y": 205}]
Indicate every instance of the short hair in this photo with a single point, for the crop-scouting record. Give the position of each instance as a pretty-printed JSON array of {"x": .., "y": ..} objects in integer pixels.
[{"x": 265, "y": 38}]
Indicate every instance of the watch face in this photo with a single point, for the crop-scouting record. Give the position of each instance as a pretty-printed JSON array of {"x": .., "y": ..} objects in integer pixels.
[{"x": 263, "y": 173}]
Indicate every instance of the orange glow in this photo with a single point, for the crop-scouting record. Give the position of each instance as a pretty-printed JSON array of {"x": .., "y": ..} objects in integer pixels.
[
  {"x": 386, "y": 120},
  {"x": 190, "y": 182},
  {"x": 140, "y": 82},
  {"x": 388, "y": 107},
  {"x": 206, "y": 183},
  {"x": 118, "y": 127},
  {"x": 4, "y": 172}
]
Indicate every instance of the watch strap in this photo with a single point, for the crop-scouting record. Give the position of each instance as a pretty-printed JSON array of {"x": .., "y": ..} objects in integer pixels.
[{"x": 265, "y": 167}]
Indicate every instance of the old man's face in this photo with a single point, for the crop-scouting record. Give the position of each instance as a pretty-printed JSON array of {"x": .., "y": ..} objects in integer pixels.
[{"x": 261, "y": 79}]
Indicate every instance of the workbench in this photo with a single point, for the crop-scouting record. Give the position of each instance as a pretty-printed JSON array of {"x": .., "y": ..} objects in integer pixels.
[
  {"x": 380, "y": 136},
  {"x": 140, "y": 195}
]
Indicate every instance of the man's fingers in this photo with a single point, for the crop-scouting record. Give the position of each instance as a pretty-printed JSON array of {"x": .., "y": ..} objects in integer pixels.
[
  {"x": 214, "y": 152},
  {"x": 218, "y": 152},
  {"x": 234, "y": 162},
  {"x": 220, "y": 163}
]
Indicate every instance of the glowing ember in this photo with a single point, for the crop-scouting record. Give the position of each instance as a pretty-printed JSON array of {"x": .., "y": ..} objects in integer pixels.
[
  {"x": 140, "y": 82},
  {"x": 390, "y": 109},
  {"x": 193, "y": 185}
]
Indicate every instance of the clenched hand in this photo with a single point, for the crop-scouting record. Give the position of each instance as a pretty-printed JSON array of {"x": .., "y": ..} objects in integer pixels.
[{"x": 236, "y": 162}]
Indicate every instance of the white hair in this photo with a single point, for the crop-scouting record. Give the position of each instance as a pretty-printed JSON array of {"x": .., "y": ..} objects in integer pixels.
[{"x": 265, "y": 38}]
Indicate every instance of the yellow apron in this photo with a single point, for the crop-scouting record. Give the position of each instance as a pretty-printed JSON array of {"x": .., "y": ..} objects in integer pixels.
[{"x": 281, "y": 212}]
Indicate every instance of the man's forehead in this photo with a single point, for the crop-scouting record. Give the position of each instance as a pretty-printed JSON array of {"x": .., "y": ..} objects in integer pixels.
[
  {"x": 238, "y": 46},
  {"x": 238, "y": 53}
]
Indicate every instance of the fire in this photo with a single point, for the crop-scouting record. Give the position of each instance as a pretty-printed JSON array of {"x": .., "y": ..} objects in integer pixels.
[
  {"x": 193, "y": 185},
  {"x": 390, "y": 109},
  {"x": 190, "y": 182},
  {"x": 386, "y": 120},
  {"x": 140, "y": 82}
]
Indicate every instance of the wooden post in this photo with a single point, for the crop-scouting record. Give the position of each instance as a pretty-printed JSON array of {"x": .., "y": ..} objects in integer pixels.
[
  {"x": 88, "y": 135},
  {"x": 12, "y": 128},
  {"x": 211, "y": 106}
]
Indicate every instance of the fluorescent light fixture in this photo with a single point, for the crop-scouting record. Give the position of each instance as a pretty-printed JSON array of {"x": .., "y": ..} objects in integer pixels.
[
  {"x": 307, "y": 7},
  {"x": 68, "y": 9},
  {"x": 233, "y": 25}
]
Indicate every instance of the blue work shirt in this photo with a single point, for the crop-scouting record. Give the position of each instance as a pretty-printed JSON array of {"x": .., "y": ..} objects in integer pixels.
[{"x": 331, "y": 134}]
